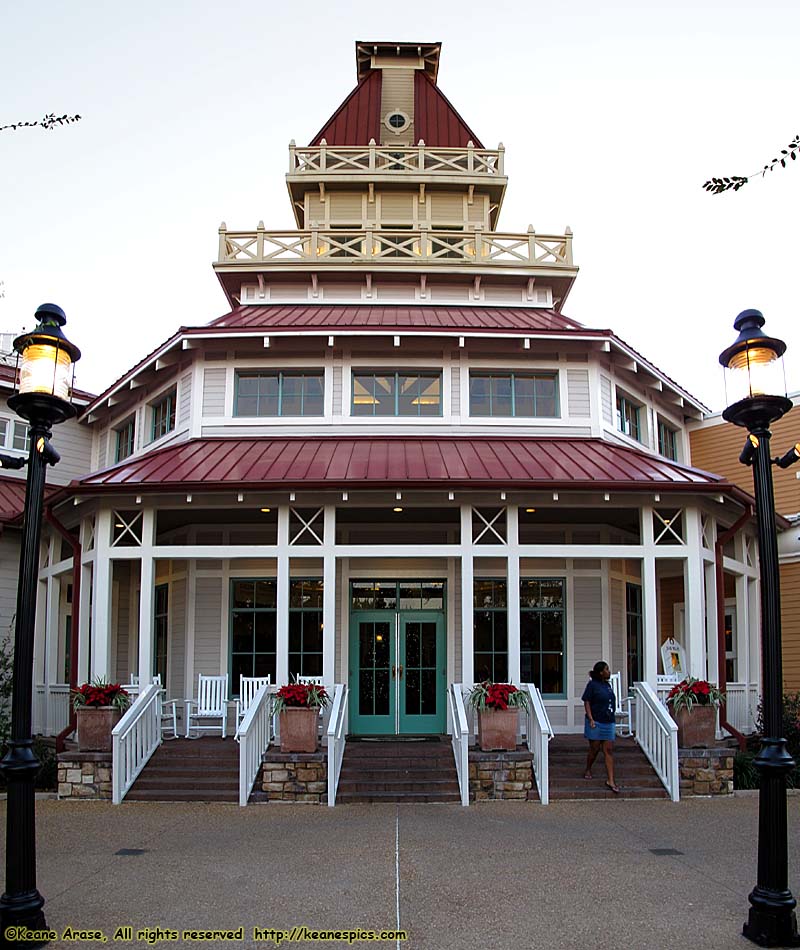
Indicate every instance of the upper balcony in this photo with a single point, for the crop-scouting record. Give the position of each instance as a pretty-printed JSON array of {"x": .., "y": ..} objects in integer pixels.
[{"x": 402, "y": 165}]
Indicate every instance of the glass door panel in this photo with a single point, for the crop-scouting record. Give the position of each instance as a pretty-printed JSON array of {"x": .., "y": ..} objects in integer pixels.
[
  {"x": 421, "y": 674},
  {"x": 372, "y": 674}
]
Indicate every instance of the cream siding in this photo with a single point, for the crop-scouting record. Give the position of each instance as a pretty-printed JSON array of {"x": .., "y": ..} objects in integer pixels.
[
  {"x": 184, "y": 400},
  {"x": 397, "y": 93},
  {"x": 587, "y": 627},
  {"x": 605, "y": 400},
  {"x": 578, "y": 392},
  {"x": 209, "y": 625},
  {"x": 214, "y": 391},
  {"x": 618, "y": 659},
  {"x": 177, "y": 638}
]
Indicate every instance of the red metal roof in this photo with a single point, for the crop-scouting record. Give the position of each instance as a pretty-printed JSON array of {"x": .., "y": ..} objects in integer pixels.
[
  {"x": 358, "y": 118},
  {"x": 12, "y": 498},
  {"x": 436, "y": 122},
  {"x": 424, "y": 462},
  {"x": 400, "y": 317}
]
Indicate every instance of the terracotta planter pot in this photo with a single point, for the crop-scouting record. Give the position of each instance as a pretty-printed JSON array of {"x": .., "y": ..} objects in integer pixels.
[
  {"x": 497, "y": 729},
  {"x": 94, "y": 727},
  {"x": 299, "y": 729},
  {"x": 697, "y": 727}
]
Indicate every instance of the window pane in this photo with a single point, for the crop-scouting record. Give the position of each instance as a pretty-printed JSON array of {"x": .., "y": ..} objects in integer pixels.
[
  {"x": 244, "y": 594},
  {"x": 501, "y": 396},
  {"x": 479, "y": 402}
]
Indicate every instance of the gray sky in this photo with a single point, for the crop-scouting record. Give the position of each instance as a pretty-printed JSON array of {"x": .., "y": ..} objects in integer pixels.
[{"x": 612, "y": 114}]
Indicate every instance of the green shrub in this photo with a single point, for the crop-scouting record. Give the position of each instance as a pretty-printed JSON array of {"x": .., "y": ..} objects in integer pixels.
[
  {"x": 790, "y": 722},
  {"x": 745, "y": 774}
]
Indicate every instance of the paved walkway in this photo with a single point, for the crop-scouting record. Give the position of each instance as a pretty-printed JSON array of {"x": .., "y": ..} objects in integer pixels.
[{"x": 499, "y": 875}]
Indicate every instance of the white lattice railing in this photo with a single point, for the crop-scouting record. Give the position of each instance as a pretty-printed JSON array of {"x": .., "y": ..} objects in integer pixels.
[
  {"x": 336, "y": 738},
  {"x": 382, "y": 159},
  {"x": 423, "y": 246},
  {"x": 134, "y": 739},
  {"x": 459, "y": 729},
  {"x": 50, "y": 708},
  {"x": 657, "y": 735},
  {"x": 539, "y": 732},
  {"x": 255, "y": 734}
]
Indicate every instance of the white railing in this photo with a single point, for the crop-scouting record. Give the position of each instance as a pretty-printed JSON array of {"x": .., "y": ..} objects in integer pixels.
[
  {"x": 741, "y": 706},
  {"x": 408, "y": 159},
  {"x": 134, "y": 739},
  {"x": 336, "y": 738},
  {"x": 538, "y": 732},
  {"x": 657, "y": 734},
  {"x": 255, "y": 734},
  {"x": 459, "y": 729},
  {"x": 50, "y": 708},
  {"x": 321, "y": 246}
]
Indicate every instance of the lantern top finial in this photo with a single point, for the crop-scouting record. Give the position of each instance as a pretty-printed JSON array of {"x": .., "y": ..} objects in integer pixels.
[
  {"x": 51, "y": 313},
  {"x": 749, "y": 324}
]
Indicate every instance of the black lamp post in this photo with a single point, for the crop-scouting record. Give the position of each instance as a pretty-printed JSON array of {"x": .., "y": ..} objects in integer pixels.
[
  {"x": 45, "y": 360},
  {"x": 755, "y": 372}
]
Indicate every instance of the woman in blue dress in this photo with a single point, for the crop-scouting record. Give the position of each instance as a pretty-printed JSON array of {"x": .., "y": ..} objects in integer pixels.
[{"x": 599, "y": 726}]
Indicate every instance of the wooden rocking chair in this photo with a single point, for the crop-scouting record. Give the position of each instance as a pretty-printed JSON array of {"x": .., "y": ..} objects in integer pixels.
[
  {"x": 211, "y": 704},
  {"x": 248, "y": 687}
]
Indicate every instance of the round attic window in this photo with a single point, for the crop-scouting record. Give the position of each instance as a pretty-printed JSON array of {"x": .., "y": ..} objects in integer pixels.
[{"x": 397, "y": 121}]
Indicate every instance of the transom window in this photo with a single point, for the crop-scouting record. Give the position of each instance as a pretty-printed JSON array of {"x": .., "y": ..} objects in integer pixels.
[
  {"x": 125, "y": 435},
  {"x": 280, "y": 394},
  {"x": 253, "y": 629},
  {"x": 513, "y": 394},
  {"x": 305, "y": 628},
  {"x": 667, "y": 442},
  {"x": 394, "y": 595},
  {"x": 490, "y": 630},
  {"x": 542, "y": 634},
  {"x": 628, "y": 417},
  {"x": 163, "y": 416},
  {"x": 397, "y": 394}
]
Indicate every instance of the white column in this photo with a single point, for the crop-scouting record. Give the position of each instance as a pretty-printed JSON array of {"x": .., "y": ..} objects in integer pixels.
[
  {"x": 329, "y": 597},
  {"x": 282, "y": 597},
  {"x": 650, "y": 634},
  {"x": 191, "y": 606},
  {"x": 146, "y": 585},
  {"x": 711, "y": 620},
  {"x": 85, "y": 622},
  {"x": 743, "y": 631},
  {"x": 693, "y": 594},
  {"x": 467, "y": 630},
  {"x": 52, "y": 629},
  {"x": 101, "y": 598},
  {"x": 512, "y": 583}
]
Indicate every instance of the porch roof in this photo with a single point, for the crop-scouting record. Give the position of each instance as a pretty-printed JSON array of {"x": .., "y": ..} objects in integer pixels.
[
  {"x": 12, "y": 498},
  {"x": 496, "y": 462}
]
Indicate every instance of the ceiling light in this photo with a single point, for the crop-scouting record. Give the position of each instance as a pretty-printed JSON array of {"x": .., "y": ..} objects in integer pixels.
[
  {"x": 266, "y": 510},
  {"x": 397, "y": 509},
  {"x": 530, "y": 511}
]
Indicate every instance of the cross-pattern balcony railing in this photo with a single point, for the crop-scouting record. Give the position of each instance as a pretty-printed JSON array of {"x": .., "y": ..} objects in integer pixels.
[
  {"x": 424, "y": 246},
  {"x": 409, "y": 159}
]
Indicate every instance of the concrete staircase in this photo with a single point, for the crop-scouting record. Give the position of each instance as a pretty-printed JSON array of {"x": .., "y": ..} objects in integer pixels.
[
  {"x": 398, "y": 771},
  {"x": 190, "y": 770},
  {"x": 633, "y": 773}
]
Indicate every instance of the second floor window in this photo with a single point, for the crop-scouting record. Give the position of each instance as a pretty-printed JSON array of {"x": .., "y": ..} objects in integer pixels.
[
  {"x": 397, "y": 394},
  {"x": 124, "y": 436},
  {"x": 163, "y": 416},
  {"x": 22, "y": 437},
  {"x": 667, "y": 442},
  {"x": 628, "y": 417},
  {"x": 513, "y": 394},
  {"x": 279, "y": 394}
]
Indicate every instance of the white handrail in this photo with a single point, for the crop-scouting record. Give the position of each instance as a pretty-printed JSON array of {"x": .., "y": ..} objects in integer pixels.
[
  {"x": 134, "y": 739},
  {"x": 538, "y": 732},
  {"x": 657, "y": 734},
  {"x": 336, "y": 738},
  {"x": 51, "y": 706},
  {"x": 459, "y": 731},
  {"x": 255, "y": 735}
]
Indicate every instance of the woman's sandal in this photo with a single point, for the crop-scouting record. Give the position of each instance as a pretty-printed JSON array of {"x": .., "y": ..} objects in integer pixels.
[
  {"x": 614, "y": 788},
  {"x": 587, "y": 774}
]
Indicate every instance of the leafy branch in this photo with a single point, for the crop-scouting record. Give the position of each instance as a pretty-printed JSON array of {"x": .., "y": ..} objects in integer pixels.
[
  {"x": 717, "y": 185},
  {"x": 49, "y": 122}
]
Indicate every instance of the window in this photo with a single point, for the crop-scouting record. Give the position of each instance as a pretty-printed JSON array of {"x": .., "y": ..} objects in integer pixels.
[
  {"x": 542, "y": 634},
  {"x": 125, "y": 435},
  {"x": 633, "y": 612},
  {"x": 253, "y": 629},
  {"x": 3, "y": 431},
  {"x": 305, "y": 628},
  {"x": 397, "y": 121},
  {"x": 397, "y": 394},
  {"x": 22, "y": 437},
  {"x": 628, "y": 417},
  {"x": 163, "y": 416},
  {"x": 279, "y": 394},
  {"x": 490, "y": 630},
  {"x": 160, "y": 631},
  {"x": 731, "y": 662},
  {"x": 667, "y": 442},
  {"x": 513, "y": 394}
]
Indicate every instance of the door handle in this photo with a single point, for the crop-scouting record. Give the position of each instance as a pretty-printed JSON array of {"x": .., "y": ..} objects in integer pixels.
[
  {"x": 394, "y": 672},
  {"x": 400, "y": 671}
]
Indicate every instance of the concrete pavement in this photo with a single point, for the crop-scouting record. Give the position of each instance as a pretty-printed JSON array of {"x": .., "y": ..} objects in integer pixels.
[{"x": 497, "y": 875}]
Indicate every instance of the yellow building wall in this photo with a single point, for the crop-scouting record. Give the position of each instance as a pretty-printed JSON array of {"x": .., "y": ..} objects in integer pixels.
[{"x": 790, "y": 625}]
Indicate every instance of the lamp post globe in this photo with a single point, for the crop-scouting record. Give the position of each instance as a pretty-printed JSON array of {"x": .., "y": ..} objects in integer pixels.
[
  {"x": 754, "y": 377},
  {"x": 45, "y": 361}
]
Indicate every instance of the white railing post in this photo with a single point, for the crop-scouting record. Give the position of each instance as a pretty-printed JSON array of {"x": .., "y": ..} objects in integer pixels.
[
  {"x": 657, "y": 735},
  {"x": 459, "y": 731},
  {"x": 255, "y": 735},
  {"x": 134, "y": 739},
  {"x": 336, "y": 739},
  {"x": 539, "y": 732}
]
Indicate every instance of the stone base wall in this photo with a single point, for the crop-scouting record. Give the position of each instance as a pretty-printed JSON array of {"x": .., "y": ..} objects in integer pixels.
[
  {"x": 296, "y": 777},
  {"x": 495, "y": 776},
  {"x": 706, "y": 771},
  {"x": 84, "y": 775}
]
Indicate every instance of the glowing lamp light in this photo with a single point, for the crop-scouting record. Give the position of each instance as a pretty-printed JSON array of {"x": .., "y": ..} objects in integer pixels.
[{"x": 754, "y": 373}]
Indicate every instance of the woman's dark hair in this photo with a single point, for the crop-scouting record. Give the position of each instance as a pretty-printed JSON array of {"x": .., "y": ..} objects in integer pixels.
[{"x": 597, "y": 669}]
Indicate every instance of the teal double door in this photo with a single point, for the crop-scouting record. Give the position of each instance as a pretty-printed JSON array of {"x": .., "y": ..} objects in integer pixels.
[{"x": 398, "y": 671}]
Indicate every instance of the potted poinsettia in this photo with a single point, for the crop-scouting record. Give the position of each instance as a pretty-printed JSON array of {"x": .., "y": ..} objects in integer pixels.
[
  {"x": 98, "y": 706},
  {"x": 498, "y": 706},
  {"x": 693, "y": 705},
  {"x": 298, "y": 706}
]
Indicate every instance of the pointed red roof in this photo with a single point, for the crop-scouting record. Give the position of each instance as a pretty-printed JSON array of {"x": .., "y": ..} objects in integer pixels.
[
  {"x": 436, "y": 122},
  {"x": 358, "y": 118}
]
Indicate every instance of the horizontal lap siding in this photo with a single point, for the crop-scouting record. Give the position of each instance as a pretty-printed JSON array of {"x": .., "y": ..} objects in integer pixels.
[
  {"x": 177, "y": 638},
  {"x": 578, "y": 392},
  {"x": 587, "y": 628},
  {"x": 184, "y": 399},
  {"x": 618, "y": 659},
  {"x": 790, "y": 623},
  {"x": 208, "y": 625},
  {"x": 214, "y": 391},
  {"x": 605, "y": 399},
  {"x": 9, "y": 574},
  {"x": 338, "y": 399},
  {"x": 455, "y": 391}
]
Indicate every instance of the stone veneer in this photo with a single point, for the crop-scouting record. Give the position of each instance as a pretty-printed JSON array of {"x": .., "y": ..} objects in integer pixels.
[
  {"x": 84, "y": 775},
  {"x": 296, "y": 777},
  {"x": 497, "y": 776},
  {"x": 706, "y": 771}
]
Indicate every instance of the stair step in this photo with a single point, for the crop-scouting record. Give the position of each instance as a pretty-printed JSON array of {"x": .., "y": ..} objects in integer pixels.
[{"x": 390, "y": 796}]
